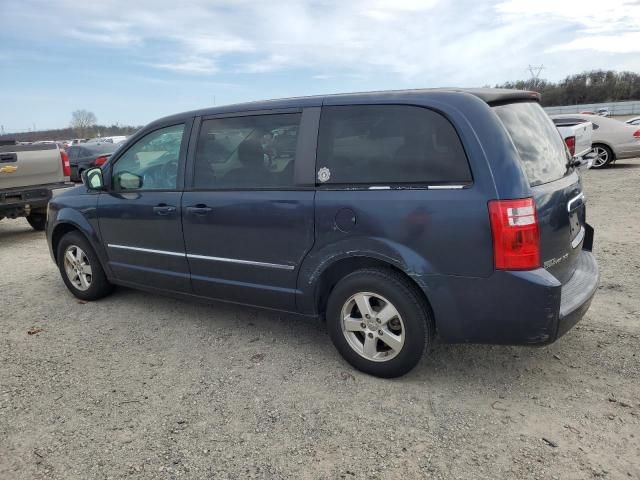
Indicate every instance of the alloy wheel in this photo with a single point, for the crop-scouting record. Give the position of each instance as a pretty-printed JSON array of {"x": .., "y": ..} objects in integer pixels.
[
  {"x": 77, "y": 267},
  {"x": 601, "y": 157},
  {"x": 372, "y": 326}
]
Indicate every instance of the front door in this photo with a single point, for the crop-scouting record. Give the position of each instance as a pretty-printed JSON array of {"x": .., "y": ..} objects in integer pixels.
[
  {"x": 140, "y": 215},
  {"x": 247, "y": 224}
]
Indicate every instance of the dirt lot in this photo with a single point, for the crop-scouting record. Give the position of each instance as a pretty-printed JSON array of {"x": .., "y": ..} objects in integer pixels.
[{"x": 143, "y": 386}]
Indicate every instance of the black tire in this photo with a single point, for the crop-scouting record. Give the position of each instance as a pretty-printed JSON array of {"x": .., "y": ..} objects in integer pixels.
[
  {"x": 37, "y": 220},
  {"x": 410, "y": 304},
  {"x": 99, "y": 286},
  {"x": 602, "y": 151}
]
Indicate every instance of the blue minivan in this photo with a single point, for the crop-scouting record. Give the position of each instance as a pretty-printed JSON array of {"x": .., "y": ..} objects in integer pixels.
[{"x": 395, "y": 216}]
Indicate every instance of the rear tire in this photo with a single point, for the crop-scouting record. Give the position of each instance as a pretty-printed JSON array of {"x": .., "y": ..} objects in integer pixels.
[
  {"x": 81, "y": 269},
  {"x": 603, "y": 156},
  {"x": 392, "y": 337},
  {"x": 37, "y": 220}
]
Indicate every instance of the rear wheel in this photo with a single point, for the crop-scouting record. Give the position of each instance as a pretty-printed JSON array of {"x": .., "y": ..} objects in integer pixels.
[
  {"x": 379, "y": 322},
  {"x": 80, "y": 268},
  {"x": 37, "y": 220},
  {"x": 603, "y": 156}
]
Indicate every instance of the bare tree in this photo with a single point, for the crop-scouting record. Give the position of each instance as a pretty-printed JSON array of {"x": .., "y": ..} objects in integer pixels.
[{"x": 82, "y": 121}]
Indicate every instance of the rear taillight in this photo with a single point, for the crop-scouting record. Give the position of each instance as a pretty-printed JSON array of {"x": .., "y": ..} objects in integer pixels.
[
  {"x": 516, "y": 240},
  {"x": 636, "y": 134},
  {"x": 571, "y": 145},
  {"x": 101, "y": 160},
  {"x": 66, "y": 168}
]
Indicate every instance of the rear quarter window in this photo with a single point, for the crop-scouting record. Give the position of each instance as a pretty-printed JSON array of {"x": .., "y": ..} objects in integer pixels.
[
  {"x": 541, "y": 148},
  {"x": 389, "y": 144}
]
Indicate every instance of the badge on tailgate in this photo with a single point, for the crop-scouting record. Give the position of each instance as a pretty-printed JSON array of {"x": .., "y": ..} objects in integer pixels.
[{"x": 8, "y": 169}]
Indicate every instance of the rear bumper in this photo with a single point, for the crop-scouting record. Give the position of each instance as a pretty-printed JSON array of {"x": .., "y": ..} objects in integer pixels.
[
  {"x": 17, "y": 201},
  {"x": 577, "y": 293},
  {"x": 511, "y": 308}
]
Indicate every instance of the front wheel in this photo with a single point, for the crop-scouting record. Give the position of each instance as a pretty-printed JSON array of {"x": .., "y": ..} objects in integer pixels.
[
  {"x": 379, "y": 322},
  {"x": 603, "y": 156},
  {"x": 80, "y": 268}
]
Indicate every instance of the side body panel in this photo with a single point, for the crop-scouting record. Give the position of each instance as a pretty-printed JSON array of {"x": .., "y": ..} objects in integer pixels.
[
  {"x": 77, "y": 208},
  {"x": 429, "y": 234},
  {"x": 247, "y": 245},
  {"x": 143, "y": 246}
]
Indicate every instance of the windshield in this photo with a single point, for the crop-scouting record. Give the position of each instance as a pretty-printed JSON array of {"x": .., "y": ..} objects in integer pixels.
[{"x": 541, "y": 148}]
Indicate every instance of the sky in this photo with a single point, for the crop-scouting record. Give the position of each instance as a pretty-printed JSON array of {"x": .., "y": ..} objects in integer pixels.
[{"x": 131, "y": 62}]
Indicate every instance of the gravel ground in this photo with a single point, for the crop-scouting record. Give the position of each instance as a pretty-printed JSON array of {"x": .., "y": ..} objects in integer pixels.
[{"x": 143, "y": 386}]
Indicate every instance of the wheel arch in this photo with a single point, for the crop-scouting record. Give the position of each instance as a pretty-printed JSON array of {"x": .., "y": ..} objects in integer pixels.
[
  {"x": 605, "y": 144},
  {"x": 67, "y": 222},
  {"x": 60, "y": 231},
  {"x": 338, "y": 269}
]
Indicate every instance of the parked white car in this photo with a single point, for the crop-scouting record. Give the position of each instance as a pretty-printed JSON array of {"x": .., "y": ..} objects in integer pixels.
[
  {"x": 612, "y": 139},
  {"x": 578, "y": 140},
  {"x": 633, "y": 121}
]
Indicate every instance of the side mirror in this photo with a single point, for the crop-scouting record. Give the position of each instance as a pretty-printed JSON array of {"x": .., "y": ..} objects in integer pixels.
[
  {"x": 128, "y": 181},
  {"x": 92, "y": 178}
]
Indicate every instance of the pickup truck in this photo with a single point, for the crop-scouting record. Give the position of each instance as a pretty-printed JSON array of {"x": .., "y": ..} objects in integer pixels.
[
  {"x": 577, "y": 137},
  {"x": 28, "y": 175}
]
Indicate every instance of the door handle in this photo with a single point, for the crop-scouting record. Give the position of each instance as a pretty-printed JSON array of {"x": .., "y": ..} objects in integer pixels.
[
  {"x": 164, "y": 209},
  {"x": 199, "y": 209}
]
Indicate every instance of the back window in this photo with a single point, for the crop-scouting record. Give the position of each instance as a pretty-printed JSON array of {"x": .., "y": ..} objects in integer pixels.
[
  {"x": 541, "y": 148},
  {"x": 388, "y": 144}
]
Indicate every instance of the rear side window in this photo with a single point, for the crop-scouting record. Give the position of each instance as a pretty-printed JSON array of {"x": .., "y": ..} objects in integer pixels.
[
  {"x": 542, "y": 151},
  {"x": 247, "y": 152},
  {"x": 388, "y": 144}
]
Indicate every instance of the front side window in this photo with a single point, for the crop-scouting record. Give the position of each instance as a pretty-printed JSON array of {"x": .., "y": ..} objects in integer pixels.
[
  {"x": 247, "y": 152},
  {"x": 151, "y": 163},
  {"x": 388, "y": 144}
]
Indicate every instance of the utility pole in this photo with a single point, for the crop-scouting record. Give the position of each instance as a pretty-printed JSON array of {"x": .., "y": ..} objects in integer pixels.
[{"x": 535, "y": 71}]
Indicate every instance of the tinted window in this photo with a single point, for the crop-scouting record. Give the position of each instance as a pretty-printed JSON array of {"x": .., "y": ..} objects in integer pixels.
[
  {"x": 151, "y": 163},
  {"x": 541, "y": 148},
  {"x": 247, "y": 152},
  {"x": 386, "y": 144}
]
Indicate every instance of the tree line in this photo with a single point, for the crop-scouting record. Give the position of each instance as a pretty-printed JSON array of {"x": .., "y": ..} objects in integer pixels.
[
  {"x": 83, "y": 124},
  {"x": 596, "y": 86}
]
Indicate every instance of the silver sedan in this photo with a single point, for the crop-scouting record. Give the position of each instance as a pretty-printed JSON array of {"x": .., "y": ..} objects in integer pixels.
[{"x": 612, "y": 139}]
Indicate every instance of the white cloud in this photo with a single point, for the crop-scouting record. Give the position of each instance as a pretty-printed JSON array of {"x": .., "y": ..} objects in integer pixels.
[{"x": 429, "y": 42}]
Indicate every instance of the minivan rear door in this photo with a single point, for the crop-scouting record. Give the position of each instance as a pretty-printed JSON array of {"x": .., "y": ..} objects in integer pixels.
[{"x": 555, "y": 185}]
